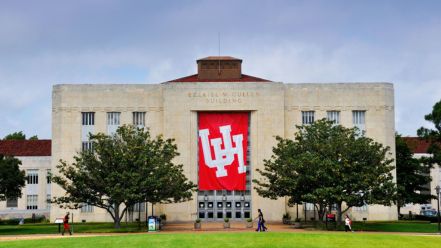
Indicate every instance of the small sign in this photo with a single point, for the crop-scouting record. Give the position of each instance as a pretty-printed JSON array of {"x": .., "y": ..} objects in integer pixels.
[
  {"x": 152, "y": 224},
  {"x": 59, "y": 221}
]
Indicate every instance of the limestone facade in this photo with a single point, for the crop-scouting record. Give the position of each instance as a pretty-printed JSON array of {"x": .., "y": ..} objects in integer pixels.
[{"x": 171, "y": 109}]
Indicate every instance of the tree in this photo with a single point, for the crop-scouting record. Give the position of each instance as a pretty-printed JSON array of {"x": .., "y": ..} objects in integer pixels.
[
  {"x": 121, "y": 170},
  {"x": 412, "y": 175},
  {"x": 433, "y": 136},
  {"x": 12, "y": 180},
  {"x": 328, "y": 164},
  {"x": 16, "y": 136},
  {"x": 19, "y": 136}
]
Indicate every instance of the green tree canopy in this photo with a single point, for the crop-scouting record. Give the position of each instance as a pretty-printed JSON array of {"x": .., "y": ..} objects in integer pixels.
[
  {"x": 15, "y": 136},
  {"x": 19, "y": 136},
  {"x": 121, "y": 170},
  {"x": 412, "y": 176},
  {"x": 328, "y": 164},
  {"x": 433, "y": 136},
  {"x": 12, "y": 180}
]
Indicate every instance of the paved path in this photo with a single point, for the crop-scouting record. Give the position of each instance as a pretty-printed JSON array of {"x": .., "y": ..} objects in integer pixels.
[{"x": 188, "y": 228}]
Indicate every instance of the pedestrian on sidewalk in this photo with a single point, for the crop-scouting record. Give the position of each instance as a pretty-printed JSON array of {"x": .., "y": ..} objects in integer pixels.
[
  {"x": 261, "y": 222},
  {"x": 66, "y": 225}
]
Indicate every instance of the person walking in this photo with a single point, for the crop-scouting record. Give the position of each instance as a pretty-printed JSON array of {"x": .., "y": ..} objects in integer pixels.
[
  {"x": 348, "y": 224},
  {"x": 66, "y": 225},
  {"x": 261, "y": 222}
]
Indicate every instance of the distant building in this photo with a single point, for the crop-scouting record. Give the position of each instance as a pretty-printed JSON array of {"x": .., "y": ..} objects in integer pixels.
[
  {"x": 419, "y": 149},
  {"x": 35, "y": 156},
  {"x": 196, "y": 109}
]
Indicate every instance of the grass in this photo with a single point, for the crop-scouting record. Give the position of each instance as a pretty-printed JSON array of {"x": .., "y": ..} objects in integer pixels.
[
  {"x": 381, "y": 226},
  {"x": 397, "y": 226},
  {"x": 225, "y": 240},
  {"x": 78, "y": 228}
]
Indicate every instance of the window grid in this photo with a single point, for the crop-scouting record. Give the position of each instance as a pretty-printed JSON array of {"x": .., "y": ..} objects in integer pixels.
[
  {"x": 87, "y": 146},
  {"x": 359, "y": 119},
  {"x": 139, "y": 207},
  {"x": 86, "y": 208},
  {"x": 32, "y": 202},
  {"x": 307, "y": 117},
  {"x": 113, "y": 118},
  {"x": 32, "y": 176},
  {"x": 363, "y": 208},
  {"x": 48, "y": 176},
  {"x": 88, "y": 118},
  {"x": 48, "y": 201},
  {"x": 334, "y": 116},
  {"x": 11, "y": 203},
  {"x": 139, "y": 119}
]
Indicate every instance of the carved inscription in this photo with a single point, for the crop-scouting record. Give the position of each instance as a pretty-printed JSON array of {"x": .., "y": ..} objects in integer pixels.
[{"x": 222, "y": 97}]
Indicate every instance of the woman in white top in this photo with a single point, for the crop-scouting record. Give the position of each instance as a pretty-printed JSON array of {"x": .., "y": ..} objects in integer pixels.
[{"x": 348, "y": 223}]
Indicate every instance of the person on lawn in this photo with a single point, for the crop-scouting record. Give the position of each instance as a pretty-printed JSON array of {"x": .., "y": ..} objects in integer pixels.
[
  {"x": 66, "y": 225},
  {"x": 348, "y": 224}
]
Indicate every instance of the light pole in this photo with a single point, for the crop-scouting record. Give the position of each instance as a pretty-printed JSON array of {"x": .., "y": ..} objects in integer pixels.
[{"x": 437, "y": 188}]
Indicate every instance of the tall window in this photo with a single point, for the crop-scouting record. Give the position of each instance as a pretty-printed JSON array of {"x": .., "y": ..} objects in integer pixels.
[
  {"x": 88, "y": 118},
  {"x": 139, "y": 119},
  {"x": 359, "y": 120},
  {"x": 307, "y": 117},
  {"x": 48, "y": 176},
  {"x": 87, "y": 146},
  {"x": 139, "y": 207},
  {"x": 32, "y": 176},
  {"x": 11, "y": 203},
  {"x": 86, "y": 208},
  {"x": 113, "y": 121},
  {"x": 48, "y": 201},
  {"x": 88, "y": 122},
  {"x": 32, "y": 202},
  {"x": 333, "y": 116}
]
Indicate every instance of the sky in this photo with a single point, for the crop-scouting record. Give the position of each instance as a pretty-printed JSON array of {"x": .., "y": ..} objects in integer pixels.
[{"x": 43, "y": 43}]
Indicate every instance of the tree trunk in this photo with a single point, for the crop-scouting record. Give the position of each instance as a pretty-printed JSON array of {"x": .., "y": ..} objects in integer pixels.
[
  {"x": 117, "y": 219},
  {"x": 339, "y": 217},
  {"x": 398, "y": 210}
]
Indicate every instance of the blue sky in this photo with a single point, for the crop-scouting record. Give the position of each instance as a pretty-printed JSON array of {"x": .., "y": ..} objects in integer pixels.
[{"x": 43, "y": 43}]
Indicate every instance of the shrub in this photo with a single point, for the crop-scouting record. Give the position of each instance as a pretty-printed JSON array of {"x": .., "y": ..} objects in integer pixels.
[
  {"x": 163, "y": 217},
  {"x": 198, "y": 221},
  {"x": 226, "y": 219},
  {"x": 286, "y": 216},
  {"x": 249, "y": 220}
]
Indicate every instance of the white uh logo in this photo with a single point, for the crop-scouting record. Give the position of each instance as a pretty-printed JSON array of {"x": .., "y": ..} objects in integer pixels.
[{"x": 222, "y": 157}]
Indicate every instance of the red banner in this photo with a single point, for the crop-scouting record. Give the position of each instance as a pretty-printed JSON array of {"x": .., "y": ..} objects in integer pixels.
[{"x": 223, "y": 141}]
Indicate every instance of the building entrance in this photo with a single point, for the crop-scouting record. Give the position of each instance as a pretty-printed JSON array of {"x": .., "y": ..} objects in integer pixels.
[{"x": 215, "y": 205}]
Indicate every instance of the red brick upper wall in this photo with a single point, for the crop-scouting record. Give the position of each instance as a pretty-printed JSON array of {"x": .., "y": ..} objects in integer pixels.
[
  {"x": 219, "y": 69},
  {"x": 25, "y": 147},
  {"x": 417, "y": 145}
]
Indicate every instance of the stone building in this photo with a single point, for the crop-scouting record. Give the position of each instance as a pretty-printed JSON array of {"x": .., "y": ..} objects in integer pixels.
[
  {"x": 419, "y": 148},
  {"x": 174, "y": 109},
  {"x": 35, "y": 157}
]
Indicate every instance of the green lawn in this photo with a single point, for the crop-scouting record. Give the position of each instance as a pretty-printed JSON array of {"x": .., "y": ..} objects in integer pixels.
[
  {"x": 393, "y": 226},
  {"x": 78, "y": 228},
  {"x": 397, "y": 226},
  {"x": 252, "y": 240}
]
